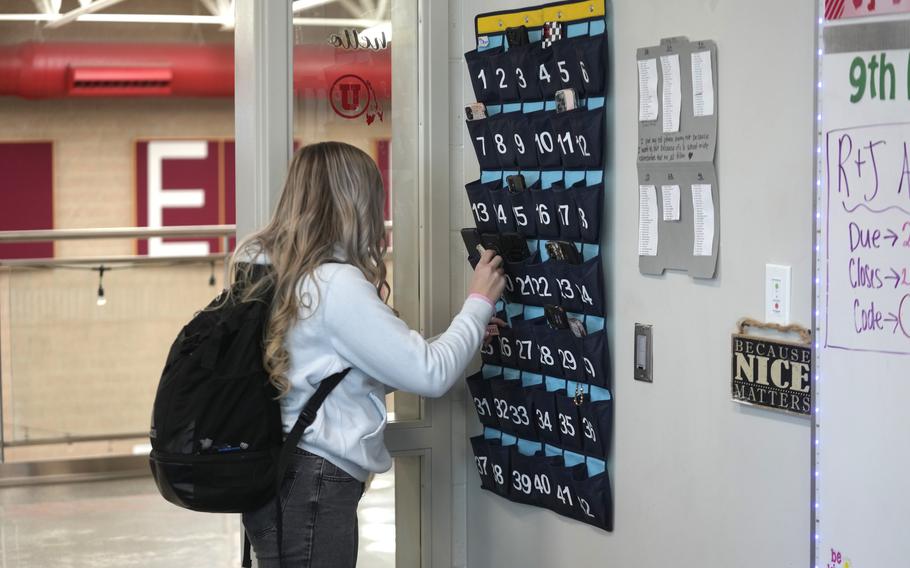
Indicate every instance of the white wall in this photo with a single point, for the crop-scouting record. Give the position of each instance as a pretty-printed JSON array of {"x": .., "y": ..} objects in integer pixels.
[{"x": 698, "y": 480}]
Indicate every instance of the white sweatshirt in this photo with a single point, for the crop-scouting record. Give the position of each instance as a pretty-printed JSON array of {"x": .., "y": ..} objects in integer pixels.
[{"x": 351, "y": 327}]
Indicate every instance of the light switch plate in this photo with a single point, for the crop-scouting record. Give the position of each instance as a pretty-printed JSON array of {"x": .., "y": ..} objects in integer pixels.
[
  {"x": 777, "y": 294},
  {"x": 643, "y": 353}
]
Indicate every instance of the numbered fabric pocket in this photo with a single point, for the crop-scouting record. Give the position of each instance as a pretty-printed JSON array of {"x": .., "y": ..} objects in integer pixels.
[
  {"x": 545, "y": 213},
  {"x": 531, "y": 282},
  {"x": 489, "y": 353},
  {"x": 523, "y": 213},
  {"x": 525, "y": 69},
  {"x": 591, "y": 55},
  {"x": 502, "y": 210},
  {"x": 526, "y": 349},
  {"x": 493, "y": 464},
  {"x": 595, "y": 501},
  {"x": 548, "y": 80},
  {"x": 564, "y": 500},
  {"x": 482, "y": 140},
  {"x": 579, "y": 138},
  {"x": 518, "y": 136},
  {"x": 588, "y": 205},
  {"x": 565, "y": 212},
  {"x": 544, "y": 140},
  {"x": 482, "y": 204},
  {"x": 521, "y": 489},
  {"x": 596, "y": 426},
  {"x": 569, "y": 355},
  {"x": 543, "y": 486},
  {"x": 482, "y": 395},
  {"x": 505, "y": 82},
  {"x": 569, "y": 423},
  {"x": 543, "y": 404},
  {"x": 513, "y": 408},
  {"x": 548, "y": 357},
  {"x": 481, "y": 449},
  {"x": 500, "y": 141},
  {"x": 480, "y": 68},
  {"x": 566, "y": 64},
  {"x": 508, "y": 352},
  {"x": 596, "y": 358},
  {"x": 580, "y": 286}
]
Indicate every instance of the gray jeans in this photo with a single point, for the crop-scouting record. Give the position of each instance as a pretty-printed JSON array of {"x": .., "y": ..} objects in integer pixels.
[{"x": 319, "y": 517}]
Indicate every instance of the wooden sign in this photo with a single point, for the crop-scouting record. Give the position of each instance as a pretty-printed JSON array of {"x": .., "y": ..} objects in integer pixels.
[{"x": 772, "y": 374}]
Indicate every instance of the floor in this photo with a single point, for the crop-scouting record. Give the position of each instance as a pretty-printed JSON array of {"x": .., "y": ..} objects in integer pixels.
[{"x": 126, "y": 523}]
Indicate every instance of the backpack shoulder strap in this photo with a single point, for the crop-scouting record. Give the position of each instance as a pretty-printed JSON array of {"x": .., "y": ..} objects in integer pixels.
[{"x": 307, "y": 416}]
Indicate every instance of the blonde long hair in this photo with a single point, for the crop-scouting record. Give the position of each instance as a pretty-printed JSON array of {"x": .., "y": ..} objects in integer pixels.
[{"x": 333, "y": 196}]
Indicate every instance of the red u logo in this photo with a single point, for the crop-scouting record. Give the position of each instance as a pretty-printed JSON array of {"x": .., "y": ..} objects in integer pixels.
[{"x": 350, "y": 96}]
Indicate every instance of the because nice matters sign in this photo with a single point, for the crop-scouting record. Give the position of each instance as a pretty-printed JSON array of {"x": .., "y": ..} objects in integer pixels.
[{"x": 773, "y": 374}]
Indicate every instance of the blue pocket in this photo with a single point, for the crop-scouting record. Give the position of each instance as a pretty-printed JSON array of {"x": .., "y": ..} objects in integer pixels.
[
  {"x": 596, "y": 426},
  {"x": 564, "y": 500},
  {"x": 482, "y": 140},
  {"x": 594, "y": 501},
  {"x": 482, "y": 396},
  {"x": 548, "y": 79},
  {"x": 482, "y": 204},
  {"x": 570, "y": 433},
  {"x": 523, "y": 213},
  {"x": 502, "y": 210},
  {"x": 543, "y": 403},
  {"x": 596, "y": 358},
  {"x": 579, "y": 138},
  {"x": 580, "y": 286},
  {"x": 566, "y": 64},
  {"x": 525, "y": 346},
  {"x": 480, "y": 68},
  {"x": 526, "y": 72},
  {"x": 513, "y": 408},
  {"x": 588, "y": 205},
  {"x": 591, "y": 55},
  {"x": 546, "y": 215},
  {"x": 544, "y": 139}
]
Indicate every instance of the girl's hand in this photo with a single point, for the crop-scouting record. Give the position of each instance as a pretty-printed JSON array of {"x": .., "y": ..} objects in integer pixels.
[
  {"x": 489, "y": 278},
  {"x": 488, "y": 334}
]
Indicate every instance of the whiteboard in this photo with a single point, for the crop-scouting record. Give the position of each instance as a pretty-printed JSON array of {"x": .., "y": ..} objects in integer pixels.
[{"x": 861, "y": 431}]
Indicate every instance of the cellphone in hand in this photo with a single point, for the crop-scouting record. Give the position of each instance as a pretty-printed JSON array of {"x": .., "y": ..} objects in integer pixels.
[
  {"x": 563, "y": 251},
  {"x": 566, "y": 99},
  {"x": 516, "y": 183},
  {"x": 475, "y": 111}
]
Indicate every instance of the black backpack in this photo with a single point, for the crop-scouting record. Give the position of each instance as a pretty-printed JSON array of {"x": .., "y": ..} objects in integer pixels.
[{"x": 216, "y": 433}]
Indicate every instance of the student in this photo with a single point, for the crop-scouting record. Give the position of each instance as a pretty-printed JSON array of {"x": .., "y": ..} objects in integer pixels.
[{"x": 325, "y": 244}]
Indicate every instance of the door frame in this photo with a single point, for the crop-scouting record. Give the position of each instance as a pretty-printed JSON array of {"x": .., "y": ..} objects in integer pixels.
[{"x": 263, "y": 58}]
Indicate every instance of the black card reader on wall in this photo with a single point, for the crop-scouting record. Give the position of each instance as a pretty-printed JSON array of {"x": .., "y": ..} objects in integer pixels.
[{"x": 643, "y": 353}]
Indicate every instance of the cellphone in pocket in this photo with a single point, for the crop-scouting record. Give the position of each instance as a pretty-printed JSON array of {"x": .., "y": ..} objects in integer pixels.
[
  {"x": 566, "y": 99},
  {"x": 475, "y": 111},
  {"x": 514, "y": 247},
  {"x": 516, "y": 183},
  {"x": 556, "y": 317},
  {"x": 517, "y": 36},
  {"x": 563, "y": 251},
  {"x": 552, "y": 31}
]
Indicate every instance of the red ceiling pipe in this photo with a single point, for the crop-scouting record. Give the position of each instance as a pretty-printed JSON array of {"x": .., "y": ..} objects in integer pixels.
[{"x": 56, "y": 70}]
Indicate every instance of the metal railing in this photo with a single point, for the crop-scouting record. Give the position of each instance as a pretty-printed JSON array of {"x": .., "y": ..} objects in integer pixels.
[
  {"x": 221, "y": 231},
  {"x": 224, "y": 232}
]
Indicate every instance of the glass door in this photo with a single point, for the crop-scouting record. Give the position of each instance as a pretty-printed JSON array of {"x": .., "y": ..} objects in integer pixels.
[{"x": 357, "y": 77}]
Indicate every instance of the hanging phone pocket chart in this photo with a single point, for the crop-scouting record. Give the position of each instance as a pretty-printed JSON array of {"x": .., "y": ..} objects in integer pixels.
[
  {"x": 679, "y": 223},
  {"x": 537, "y": 126}
]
